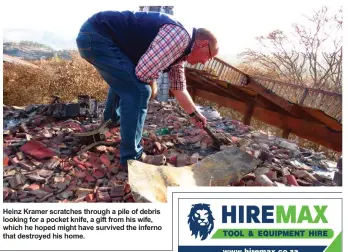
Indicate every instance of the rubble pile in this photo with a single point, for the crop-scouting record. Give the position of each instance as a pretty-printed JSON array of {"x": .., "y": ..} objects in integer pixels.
[{"x": 44, "y": 162}]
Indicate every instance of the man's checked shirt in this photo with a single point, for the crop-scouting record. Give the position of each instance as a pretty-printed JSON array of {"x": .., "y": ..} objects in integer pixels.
[{"x": 169, "y": 44}]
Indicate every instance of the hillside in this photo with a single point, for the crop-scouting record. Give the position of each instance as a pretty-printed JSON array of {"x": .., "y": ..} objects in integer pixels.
[
  {"x": 29, "y": 50},
  {"x": 50, "y": 39}
]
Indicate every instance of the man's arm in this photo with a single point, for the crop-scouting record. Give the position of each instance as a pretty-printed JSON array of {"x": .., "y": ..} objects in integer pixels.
[
  {"x": 178, "y": 87},
  {"x": 185, "y": 100}
]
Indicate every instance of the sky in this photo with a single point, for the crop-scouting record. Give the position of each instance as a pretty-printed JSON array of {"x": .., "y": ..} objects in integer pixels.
[{"x": 235, "y": 23}]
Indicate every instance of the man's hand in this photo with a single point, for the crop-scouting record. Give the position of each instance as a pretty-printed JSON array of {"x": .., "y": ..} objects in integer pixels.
[
  {"x": 185, "y": 100},
  {"x": 153, "y": 86},
  {"x": 199, "y": 120}
]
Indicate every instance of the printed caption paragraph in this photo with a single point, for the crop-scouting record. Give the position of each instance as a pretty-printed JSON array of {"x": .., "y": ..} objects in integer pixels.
[{"x": 21, "y": 224}]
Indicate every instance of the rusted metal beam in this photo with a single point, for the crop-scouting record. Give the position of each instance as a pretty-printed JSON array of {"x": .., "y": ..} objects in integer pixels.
[{"x": 312, "y": 131}]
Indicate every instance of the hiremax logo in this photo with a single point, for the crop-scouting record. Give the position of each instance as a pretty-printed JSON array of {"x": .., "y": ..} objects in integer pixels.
[
  {"x": 274, "y": 214},
  {"x": 201, "y": 218}
]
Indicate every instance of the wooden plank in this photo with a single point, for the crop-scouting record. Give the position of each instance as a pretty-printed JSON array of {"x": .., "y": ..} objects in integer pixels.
[
  {"x": 235, "y": 92},
  {"x": 312, "y": 131},
  {"x": 298, "y": 86},
  {"x": 294, "y": 109},
  {"x": 286, "y": 133},
  {"x": 324, "y": 119},
  {"x": 248, "y": 114},
  {"x": 272, "y": 97},
  {"x": 264, "y": 99},
  {"x": 194, "y": 94},
  {"x": 220, "y": 71},
  {"x": 239, "y": 94},
  {"x": 261, "y": 101},
  {"x": 228, "y": 65}
]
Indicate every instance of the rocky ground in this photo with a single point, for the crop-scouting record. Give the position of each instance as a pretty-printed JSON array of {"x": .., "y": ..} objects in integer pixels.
[{"x": 43, "y": 161}]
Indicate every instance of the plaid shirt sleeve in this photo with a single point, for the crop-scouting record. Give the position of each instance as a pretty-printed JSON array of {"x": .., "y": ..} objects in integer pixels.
[
  {"x": 169, "y": 44},
  {"x": 177, "y": 78}
]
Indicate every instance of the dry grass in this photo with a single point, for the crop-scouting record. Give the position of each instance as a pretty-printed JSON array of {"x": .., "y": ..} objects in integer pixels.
[{"x": 68, "y": 79}]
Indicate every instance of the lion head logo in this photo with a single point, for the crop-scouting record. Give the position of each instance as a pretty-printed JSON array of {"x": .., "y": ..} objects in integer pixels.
[{"x": 201, "y": 220}]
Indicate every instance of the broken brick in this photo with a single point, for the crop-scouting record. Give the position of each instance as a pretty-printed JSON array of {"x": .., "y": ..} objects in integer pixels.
[
  {"x": 38, "y": 193},
  {"x": 6, "y": 161},
  {"x": 32, "y": 187},
  {"x": 87, "y": 164},
  {"x": 83, "y": 192},
  {"x": 37, "y": 149},
  {"x": 81, "y": 167},
  {"x": 239, "y": 183},
  {"x": 290, "y": 180},
  {"x": 37, "y": 163},
  {"x": 182, "y": 160},
  {"x": 101, "y": 148},
  {"x": 45, "y": 173},
  {"x": 279, "y": 184},
  {"x": 26, "y": 166},
  {"x": 46, "y": 188},
  {"x": 14, "y": 161},
  {"x": 80, "y": 174},
  {"x": 77, "y": 160},
  {"x": 272, "y": 175},
  {"x": 115, "y": 130},
  {"x": 108, "y": 134},
  {"x": 52, "y": 164},
  {"x": 263, "y": 180},
  {"x": 128, "y": 197},
  {"x": 89, "y": 178},
  {"x": 117, "y": 139},
  {"x": 16, "y": 181},
  {"x": 104, "y": 159},
  {"x": 127, "y": 188},
  {"x": 83, "y": 156},
  {"x": 28, "y": 199},
  {"x": 66, "y": 194},
  {"x": 301, "y": 182},
  {"x": 194, "y": 158},
  {"x": 117, "y": 199},
  {"x": 35, "y": 177},
  {"x": 87, "y": 170},
  {"x": 90, "y": 197},
  {"x": 158, "y": 146},
  {"x": 122, "y": 176},
  {"x": 103, "y": 196},
  {"x": 117, "y": 191},
  {"x": 99, "y": 173},
  {"x": 20, "y": 155},
  {"x": 6, "y": 193}
]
